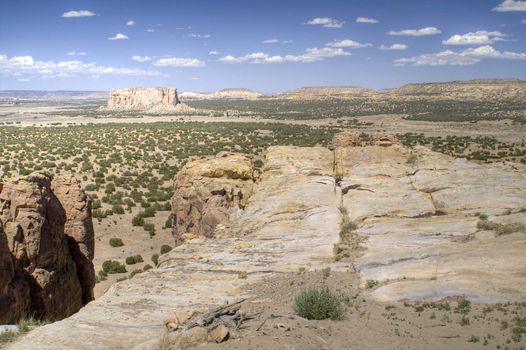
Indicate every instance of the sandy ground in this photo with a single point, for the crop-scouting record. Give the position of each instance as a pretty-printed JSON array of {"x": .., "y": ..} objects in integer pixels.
[
  {"x": 135, "y": 239},
  {"x": 368, "y": 324}
]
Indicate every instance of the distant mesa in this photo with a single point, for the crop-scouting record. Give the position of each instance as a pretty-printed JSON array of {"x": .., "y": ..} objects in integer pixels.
[
  {"x": 162, "y": 99},
  {"x": 226, "y": 94}
]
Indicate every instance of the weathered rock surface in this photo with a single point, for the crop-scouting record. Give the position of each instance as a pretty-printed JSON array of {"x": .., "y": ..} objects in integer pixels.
[
  {"x": 207, "y": 191},
  {"x": 146, "y": 100},
  {"x": 417, "y": 212},
  {"x": 46, "y": 248},
  {"x": 420, "y": 218}
]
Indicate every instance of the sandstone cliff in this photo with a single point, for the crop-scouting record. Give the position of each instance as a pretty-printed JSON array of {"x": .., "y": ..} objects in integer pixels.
[
  {"x": 224, "y": 94},
  {"x": 153, "y": 100},
  {"x": 206, "y": 192},
  {"x": 46, "y": 248}
]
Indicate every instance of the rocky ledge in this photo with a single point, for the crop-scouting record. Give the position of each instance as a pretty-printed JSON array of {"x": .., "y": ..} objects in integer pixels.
[{"x": 425, "y": 227}]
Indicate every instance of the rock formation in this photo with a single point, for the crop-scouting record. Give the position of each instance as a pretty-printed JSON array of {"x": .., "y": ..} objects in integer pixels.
[
  {"x": 207, "y": 191},
  {"x": 46, "y": 248},
  {"x": 346, "y": 138},
  {"x": 416, "y": 213},
  {"x": 153, "y": 100}
]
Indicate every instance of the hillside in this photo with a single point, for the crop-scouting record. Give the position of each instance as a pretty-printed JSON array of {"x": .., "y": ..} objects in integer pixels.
[{"x": 465, "y": 90}]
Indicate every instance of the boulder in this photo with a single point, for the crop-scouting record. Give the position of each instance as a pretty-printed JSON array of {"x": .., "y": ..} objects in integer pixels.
[
  {"x": 207, "y": 191},
  {"x": 41, "y": 275},
  {"x": 383, "y": 139}
]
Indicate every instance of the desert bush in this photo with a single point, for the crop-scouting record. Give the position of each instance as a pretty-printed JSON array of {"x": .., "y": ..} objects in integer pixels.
[
  {"x": 134, "y": 259},
  {"x": 318, "y": 303},
  {"x": 137, "y": 221},
  {"x": 112, "y": 266},
  {"x": 116, "y": 242},
  {"x": 155, "y": 259},
  {"x": 165, "y": 248},
  {"x": 147, "y": 267}
]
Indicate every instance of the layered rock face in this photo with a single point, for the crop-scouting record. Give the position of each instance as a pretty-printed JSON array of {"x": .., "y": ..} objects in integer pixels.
[
  {"x": 46, "y": 248},
  {"x": 207, "y": 191},
  {"x": 143, "y": 99}
]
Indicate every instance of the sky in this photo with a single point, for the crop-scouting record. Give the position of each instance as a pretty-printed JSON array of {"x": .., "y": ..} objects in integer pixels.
[{"x": 267, "y": 46}]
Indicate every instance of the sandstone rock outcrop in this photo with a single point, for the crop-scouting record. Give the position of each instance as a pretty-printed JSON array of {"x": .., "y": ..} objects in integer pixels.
[
  {"x": 346, "y": 138},
  {"x": 146, "y": 100},
  {"x": 207, "y": 191},
  {"x": 418, "y": 221},
  {"x": 46, "y": 228}
]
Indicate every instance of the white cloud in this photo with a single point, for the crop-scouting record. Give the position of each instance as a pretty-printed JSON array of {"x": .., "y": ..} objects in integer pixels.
[
  {"x": 511, "y": 5},
  {"x": 179, "y": 62},
  {"x": 394, "y": 47},
  {"x": 130, "y": 23},
  {"x": 480, "y": 37},
  {"x": 326, "y": 22},
  {"x": 416, "y": 32},
  {"x": 310, "y": 55},
  {"x": 75, "y": 53},
  {"x": 460, "y": 58},
  {"x": 523, "y": 21},
  {"x": 24, "y": 79},
  {"x": 142, "y": 58},
  {"x": 199, "y": 36},
  {"x": 81, "y": 13},
  {"x": 349, "y": 43},
  {"x": 366, "y": 20},
  {"x": 27, "y": 66},
  {"x": 213, "y": 52},
  {"x": 118, "y": 36},
  {"x": 276, "y": 41},
  {"x": 149, "y": 30}
]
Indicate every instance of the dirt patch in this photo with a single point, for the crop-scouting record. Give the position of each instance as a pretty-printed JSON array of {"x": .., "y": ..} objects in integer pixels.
[{"x": 368, "y": 324}]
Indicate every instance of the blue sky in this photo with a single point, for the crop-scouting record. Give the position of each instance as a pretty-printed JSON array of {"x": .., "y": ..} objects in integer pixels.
[{"x": 268, "y": 46}]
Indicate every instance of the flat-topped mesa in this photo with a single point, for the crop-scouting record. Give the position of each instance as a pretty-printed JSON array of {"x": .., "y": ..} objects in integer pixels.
[
  {"x": 46, "y": 248},
  {"x": 144, "y": 99}
]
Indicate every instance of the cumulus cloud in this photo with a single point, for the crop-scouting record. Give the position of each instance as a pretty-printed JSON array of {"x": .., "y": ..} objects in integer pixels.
[
  {"x": 326, "y": 22},
  {"x": 276, "y": 41},
  {"x": 349, "y": 43},
  {"x": 310, "y": 55},
  {"x": 366, "y": 20},
  {"x": 130, "y": 23},
  {"x": 179, "y": 62},
  {"x": 28, "y": 66},
  {"x": 480, "y": 37},
  {"x": 142, "y": 58},
  {"x": 460, "y": 58},
  {"x": 416, "y": 32},
  {"x": 394, "y": 47},
  {"x": 81, "y": 13},
  {"x": 118, "y": 36},
  {"x": 199, "y": 36},
  {"x": 510, "y": 6},
  {"x": 75, "y": 53}
]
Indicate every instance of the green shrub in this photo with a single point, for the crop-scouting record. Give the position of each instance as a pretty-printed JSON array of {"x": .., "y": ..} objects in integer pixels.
[
  {"x": 134, "y": 272},
  {"x": 147, "y": 267},
  {"x": 155, "y": 259},
  {"x": 371, "y": 284},
  {"x": 112, "y": 266},
  {"x": 137, "y": 221},
  {"x": 318, "y": 303},
  {"x": 134, "y": 259},
  {"x": 116, "y": 242},
  {"x": 165, "y": 248}
]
